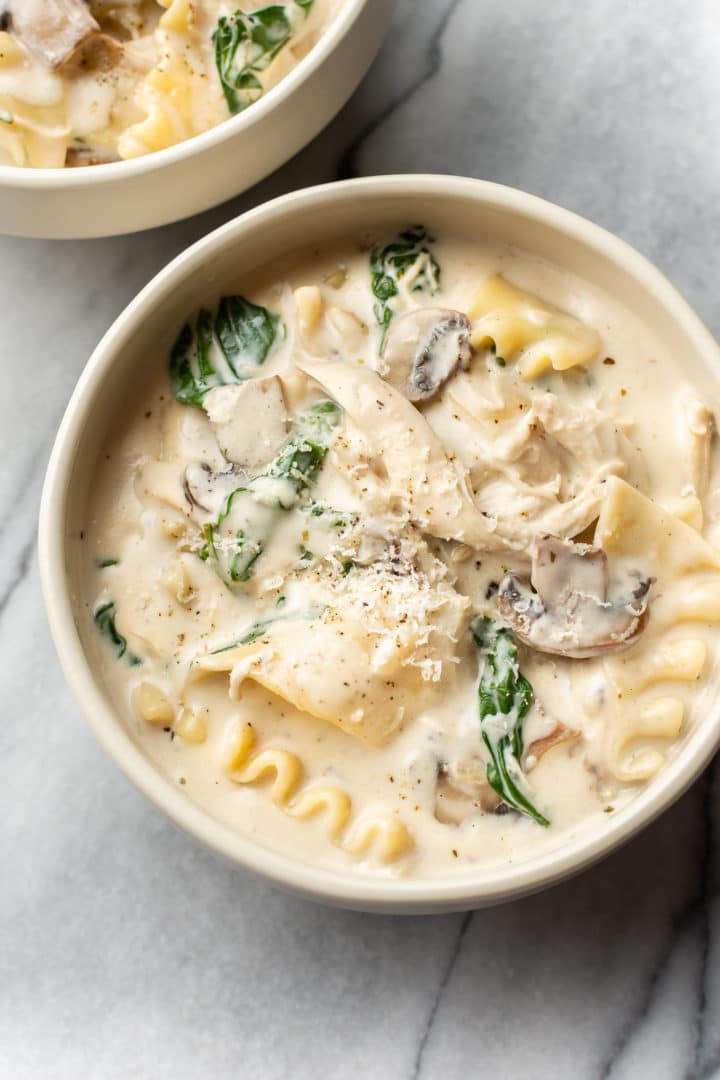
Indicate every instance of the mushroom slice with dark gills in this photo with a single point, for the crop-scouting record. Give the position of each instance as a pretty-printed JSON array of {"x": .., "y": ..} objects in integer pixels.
[
  {"x": 423, "y": 349},
  {"x": 462, "y": 789},
  {"x": 564, "y": 609},
  {"x": 54, "y": 29}
]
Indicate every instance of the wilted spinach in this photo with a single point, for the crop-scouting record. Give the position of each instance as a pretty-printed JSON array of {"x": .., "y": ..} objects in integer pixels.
[
  {"x": 238, "y": 537},
  {"x": 227, "y": 347},
  {"x": 104, "y": 617},
  {"x": 505, "y": 697},
  {"x": 245, "y": 45},
  {"x": 389, "y": 264}
]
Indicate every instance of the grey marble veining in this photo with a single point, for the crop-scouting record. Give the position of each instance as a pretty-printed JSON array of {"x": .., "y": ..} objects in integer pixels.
[{"x": 128, "y": 951}]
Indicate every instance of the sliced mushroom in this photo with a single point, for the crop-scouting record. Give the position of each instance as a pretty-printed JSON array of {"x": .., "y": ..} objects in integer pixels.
[
  {"x": 208, "y": 491},
  {"x": 54, "y": 29},
  {"x": 564, "y": 609},
  {"x": 250, "y": 420},
  {"x": 423, "y": 349},
  {"x": 537, "y": 749},
  {"x": 99, "y": 52},
  {"x": 462, "y": 790}
]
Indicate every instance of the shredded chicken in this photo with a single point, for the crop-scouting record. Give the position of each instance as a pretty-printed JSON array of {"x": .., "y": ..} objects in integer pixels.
[{"x": 537, "y": 462}]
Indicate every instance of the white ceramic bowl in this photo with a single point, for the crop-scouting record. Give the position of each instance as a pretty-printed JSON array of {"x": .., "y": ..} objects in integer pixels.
[
  {"x": 126, "y": 196},
  {"x": 475, "y": 208}
]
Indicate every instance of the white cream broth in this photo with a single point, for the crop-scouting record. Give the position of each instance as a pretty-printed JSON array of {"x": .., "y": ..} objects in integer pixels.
[{"x": 348, "y": 732}]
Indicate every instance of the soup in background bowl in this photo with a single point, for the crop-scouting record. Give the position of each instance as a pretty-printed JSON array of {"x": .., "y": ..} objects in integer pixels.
[
  {"x": 87, "y": 83},
  {"x": 121, "y": 117}
]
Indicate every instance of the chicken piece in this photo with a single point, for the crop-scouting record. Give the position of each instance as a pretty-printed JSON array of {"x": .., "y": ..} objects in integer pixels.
[
  {"x": 699, "y": 425},
  {"x": 435, "y": 493}
]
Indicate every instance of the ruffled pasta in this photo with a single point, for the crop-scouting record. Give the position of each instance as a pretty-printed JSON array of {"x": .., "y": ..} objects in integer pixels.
[
  {"x": 34, "y": 129},
  {"x": 388, "y": 635},
  {"x": 376, "y": 835},
  {"x": 672, "y": 653},
  {"x": 386, "y": 838},
  {"x": 526, "y": 330},
  {"x": 180, "y": 96},
  {"x": 331, "y": 802}
]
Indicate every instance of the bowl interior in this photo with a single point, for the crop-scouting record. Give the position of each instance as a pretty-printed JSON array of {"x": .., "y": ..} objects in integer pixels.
[{"x": 138, "y": 342}]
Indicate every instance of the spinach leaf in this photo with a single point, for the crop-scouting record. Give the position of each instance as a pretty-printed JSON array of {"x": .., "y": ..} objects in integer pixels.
[
  {"x": 238, "y": 537},
  {"x": 227, "y": 347},
  {"x": 246, "y": 333},
  {"x": 505, "y": 697},
  {"x": 338, "y": 519},
  {"x": 389, "y": 264},
  {"x": 104, "y": 617},
  {"x": 246, "y": 44},
  {"x": 303, "y": 455}
]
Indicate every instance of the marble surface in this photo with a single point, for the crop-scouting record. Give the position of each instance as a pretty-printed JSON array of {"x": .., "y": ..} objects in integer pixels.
[{"x": 126, "y": 950}]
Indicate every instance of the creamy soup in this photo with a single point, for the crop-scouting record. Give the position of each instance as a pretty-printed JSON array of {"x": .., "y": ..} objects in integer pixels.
[
  {"x": 89, "y": 81},
  {"x": 403, "y": 561}
]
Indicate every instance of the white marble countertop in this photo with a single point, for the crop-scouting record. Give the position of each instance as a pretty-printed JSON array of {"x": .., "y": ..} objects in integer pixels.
[{"x": 128, "y": 951}]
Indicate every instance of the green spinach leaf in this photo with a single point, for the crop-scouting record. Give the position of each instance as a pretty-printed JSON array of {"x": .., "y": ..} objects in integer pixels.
[
  {"x": 390, "y": 263},
  {"x": 227, "y": 347},
  {"x": 238, "y": 537},
  {"x": 246, "y": 44},
  {"x": 505, "y": 697},
  {"x": 303, "y": 455}
]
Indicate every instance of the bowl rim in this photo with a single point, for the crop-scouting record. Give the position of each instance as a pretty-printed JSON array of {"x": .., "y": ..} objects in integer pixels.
[
  {"x": 24, "y": 177},
  {"x": 475, "y": 887}
]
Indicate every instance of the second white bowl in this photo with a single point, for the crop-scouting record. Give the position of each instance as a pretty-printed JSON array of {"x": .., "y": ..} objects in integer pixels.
[{"x": 142, "y": 193}]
